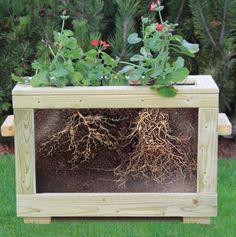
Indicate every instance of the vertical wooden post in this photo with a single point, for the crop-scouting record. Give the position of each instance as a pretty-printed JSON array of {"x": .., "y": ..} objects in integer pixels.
[
  {"x": 25, "y": 156},
  {"x": 207, "y": 150},
  {"x": 207, "y": 156},
  {"x": 24, "y": 151}
]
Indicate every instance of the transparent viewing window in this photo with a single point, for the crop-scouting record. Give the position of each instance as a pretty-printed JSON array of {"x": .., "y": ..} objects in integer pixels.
[{"x": 116, "y": 150}]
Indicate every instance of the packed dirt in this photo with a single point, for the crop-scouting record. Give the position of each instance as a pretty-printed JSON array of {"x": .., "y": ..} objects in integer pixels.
[{"x": 116, "y": 150}]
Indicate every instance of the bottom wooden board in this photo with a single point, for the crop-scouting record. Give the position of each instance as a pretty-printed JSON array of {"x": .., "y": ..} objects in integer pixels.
[{"x": 117, "y": 205}]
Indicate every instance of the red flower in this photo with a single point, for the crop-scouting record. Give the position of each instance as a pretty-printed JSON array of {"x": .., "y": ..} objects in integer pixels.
[
  {"x": 153, "y": 6},
  {"x": 160, "y": 27},
  {"x": 105, "y": 44},
  {"x": 134, "y": 82},
  {"x": 95, "y": 43}
]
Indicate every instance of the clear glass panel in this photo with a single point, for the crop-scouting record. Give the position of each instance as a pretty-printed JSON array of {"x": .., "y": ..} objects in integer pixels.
[{"x": 116, "y": 150}]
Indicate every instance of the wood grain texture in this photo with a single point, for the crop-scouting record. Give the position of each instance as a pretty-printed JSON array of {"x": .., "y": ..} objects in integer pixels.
[
  {"x": 224, "y": 125},
  {"x": 117, "y": 205},
  {"x": 24, "y": 151},
  {"x": 7, "y": 128},
  {"x": 201, "y": 84},
  {"x": 116, "y": 101},
  {"x": 207, "y": 150},
  {"x": 197, "y": 220},
  {"x": 37, "y": 220}
]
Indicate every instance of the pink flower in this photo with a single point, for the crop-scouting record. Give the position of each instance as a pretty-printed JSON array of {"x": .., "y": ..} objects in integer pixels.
[
  {"x": 104, "y": 44},
  {"x": 95, "y": 43},
  {"x": 160, "y": 27},
  {"x": 153, "y": 6}
]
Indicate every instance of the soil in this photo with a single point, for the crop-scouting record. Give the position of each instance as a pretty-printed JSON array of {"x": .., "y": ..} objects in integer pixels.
[{"x": 59, "y": 167}]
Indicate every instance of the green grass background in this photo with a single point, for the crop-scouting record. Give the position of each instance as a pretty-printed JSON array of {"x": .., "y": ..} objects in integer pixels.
[{"x": 222, "y": 226}]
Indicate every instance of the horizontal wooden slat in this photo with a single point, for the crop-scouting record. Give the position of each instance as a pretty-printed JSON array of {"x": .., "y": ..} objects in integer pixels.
[
  {"x": 116, "y": 101},
  {"x": 224, "y": 125},
  {"x": 203, "y": 84},
  {"x": 7, "y": 128},
  {"x": 117, "y": 205}
]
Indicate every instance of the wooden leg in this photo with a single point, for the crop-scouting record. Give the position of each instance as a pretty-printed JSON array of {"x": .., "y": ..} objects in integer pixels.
[
  {"x": 37, "y": 220},
  {"x": 197, "y": 220}
]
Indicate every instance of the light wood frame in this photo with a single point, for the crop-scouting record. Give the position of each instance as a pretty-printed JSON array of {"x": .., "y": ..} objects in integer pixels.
[{"x": 192, "y": 207}]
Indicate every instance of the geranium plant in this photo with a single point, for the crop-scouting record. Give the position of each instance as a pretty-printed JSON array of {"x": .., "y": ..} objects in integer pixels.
[
  {"x": 160, "y": 62},
  {"x": 69, "y": 65}
]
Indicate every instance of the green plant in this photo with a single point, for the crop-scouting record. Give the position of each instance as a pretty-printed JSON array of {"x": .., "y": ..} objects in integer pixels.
[
  {"x": 124, "y": 26},
  {"x": 68, "y": 64},
  {"x": 160, "y": 62}
]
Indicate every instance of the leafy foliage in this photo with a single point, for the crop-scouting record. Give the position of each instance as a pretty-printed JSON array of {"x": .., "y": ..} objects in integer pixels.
[
  {"x": 26, "y": 26},
  {"x": 160, "y": 62},
  {"x": 70, "y": 65}
]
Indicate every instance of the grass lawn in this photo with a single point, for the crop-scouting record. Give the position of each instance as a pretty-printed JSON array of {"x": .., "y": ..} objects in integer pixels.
[{"x": 222, "y": 226}]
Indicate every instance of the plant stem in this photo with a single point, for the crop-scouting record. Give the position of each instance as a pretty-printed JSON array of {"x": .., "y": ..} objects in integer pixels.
[
  {"x": 63, "y": 25},
  {"x": 131, "y": 64},
  {"x": 143, "y": 29},
  {"x": 50, "y": 48},
  {"x": 160, "y": 16}
]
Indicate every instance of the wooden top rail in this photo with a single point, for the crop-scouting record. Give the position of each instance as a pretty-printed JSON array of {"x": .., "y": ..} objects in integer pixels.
[
  {"x": 224, "y": 126},
  {"x": 201, "y": 84}
]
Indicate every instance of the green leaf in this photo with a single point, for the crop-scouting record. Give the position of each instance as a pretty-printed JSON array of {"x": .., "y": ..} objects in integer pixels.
[
  {"x": 167, "y": 91},
  {"x": 74, "y": 54},
  {"x": 68, "y": 65},
  {"x": 118, "y": 80},
  {"x": 157, "y": 71},
  {"x": 174, "y": 76},
  {"x": 59, "y": 71},
  {"x": 134, "y": 39},
  {"x": 42, "y": 66},
  {"x": 91, "y": 55},
  {"x": 39, "y": 80},
  {"x": 144, "y": 52},
  {"x": 126, "y": 69},
  {"x": 59, "y": 82},
  {"x": 192, "y": 48},
  {"x": 135, "y": 74},
  {"x": 17, "y": 78},
  {"x": 177, "y": 75},
  {"x": 77, "y": 79},
  {"x": 70, "y": 43},
  {"x": 177, "y": 38},
  {"x": 179, "y": 63},
  {"x": 144, "y": 20},
  {"x": 136, "y": 58},
  {"x": 108, "y": 60},
  {"x": 68, "y": 33}
]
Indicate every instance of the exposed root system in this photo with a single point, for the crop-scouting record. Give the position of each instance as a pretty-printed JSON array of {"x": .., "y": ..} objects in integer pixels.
[
  {"x": 158, "y": 154},
  {"x": 81, "y": 136},
  {"x": 120, "y": 150}
]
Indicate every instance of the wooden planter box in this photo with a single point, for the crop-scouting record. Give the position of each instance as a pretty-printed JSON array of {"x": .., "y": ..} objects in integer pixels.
[{"x": 199, "y": 92}]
